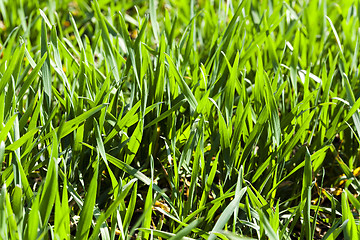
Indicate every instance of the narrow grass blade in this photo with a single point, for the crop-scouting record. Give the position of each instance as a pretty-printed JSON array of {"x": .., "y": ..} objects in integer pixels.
[
  {"x": 225, "y": 216},
  {"x": 182, "y": 84},
  {"x": 186, "y": 230},
  {"x": 86, "y": 214},
  {"x": 16, "y": 58}
]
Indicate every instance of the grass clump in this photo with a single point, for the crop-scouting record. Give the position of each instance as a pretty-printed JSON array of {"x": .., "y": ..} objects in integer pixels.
[{"x": 191, "y": 119}]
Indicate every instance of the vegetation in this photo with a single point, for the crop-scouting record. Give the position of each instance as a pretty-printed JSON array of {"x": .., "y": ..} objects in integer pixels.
[{"x": 179, "y": 119}]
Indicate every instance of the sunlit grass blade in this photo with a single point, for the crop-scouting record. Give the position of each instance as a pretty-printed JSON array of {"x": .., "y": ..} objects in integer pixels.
[
  {"x": 186, "y": 230},
  {"x": 86, "y": 214},
  {"x": 350, "y": 230},
  {"x": 182, "y": 84},
  {"x": 16, "y": 58},
  {"x": 229, "y": 210}
]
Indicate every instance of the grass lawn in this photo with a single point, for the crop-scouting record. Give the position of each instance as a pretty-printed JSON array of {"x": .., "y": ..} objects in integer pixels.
[{"x": 166, "y": 119}]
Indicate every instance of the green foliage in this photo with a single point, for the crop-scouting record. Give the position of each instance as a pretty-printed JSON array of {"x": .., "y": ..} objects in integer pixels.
[{"x": 179, "y": 119}]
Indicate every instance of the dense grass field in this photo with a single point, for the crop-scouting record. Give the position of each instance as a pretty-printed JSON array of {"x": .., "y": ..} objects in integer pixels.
[{"x": 179, "y": 119}]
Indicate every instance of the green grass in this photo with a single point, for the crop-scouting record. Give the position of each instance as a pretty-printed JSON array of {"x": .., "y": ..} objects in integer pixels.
[{"x": 179, "y": 119}]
